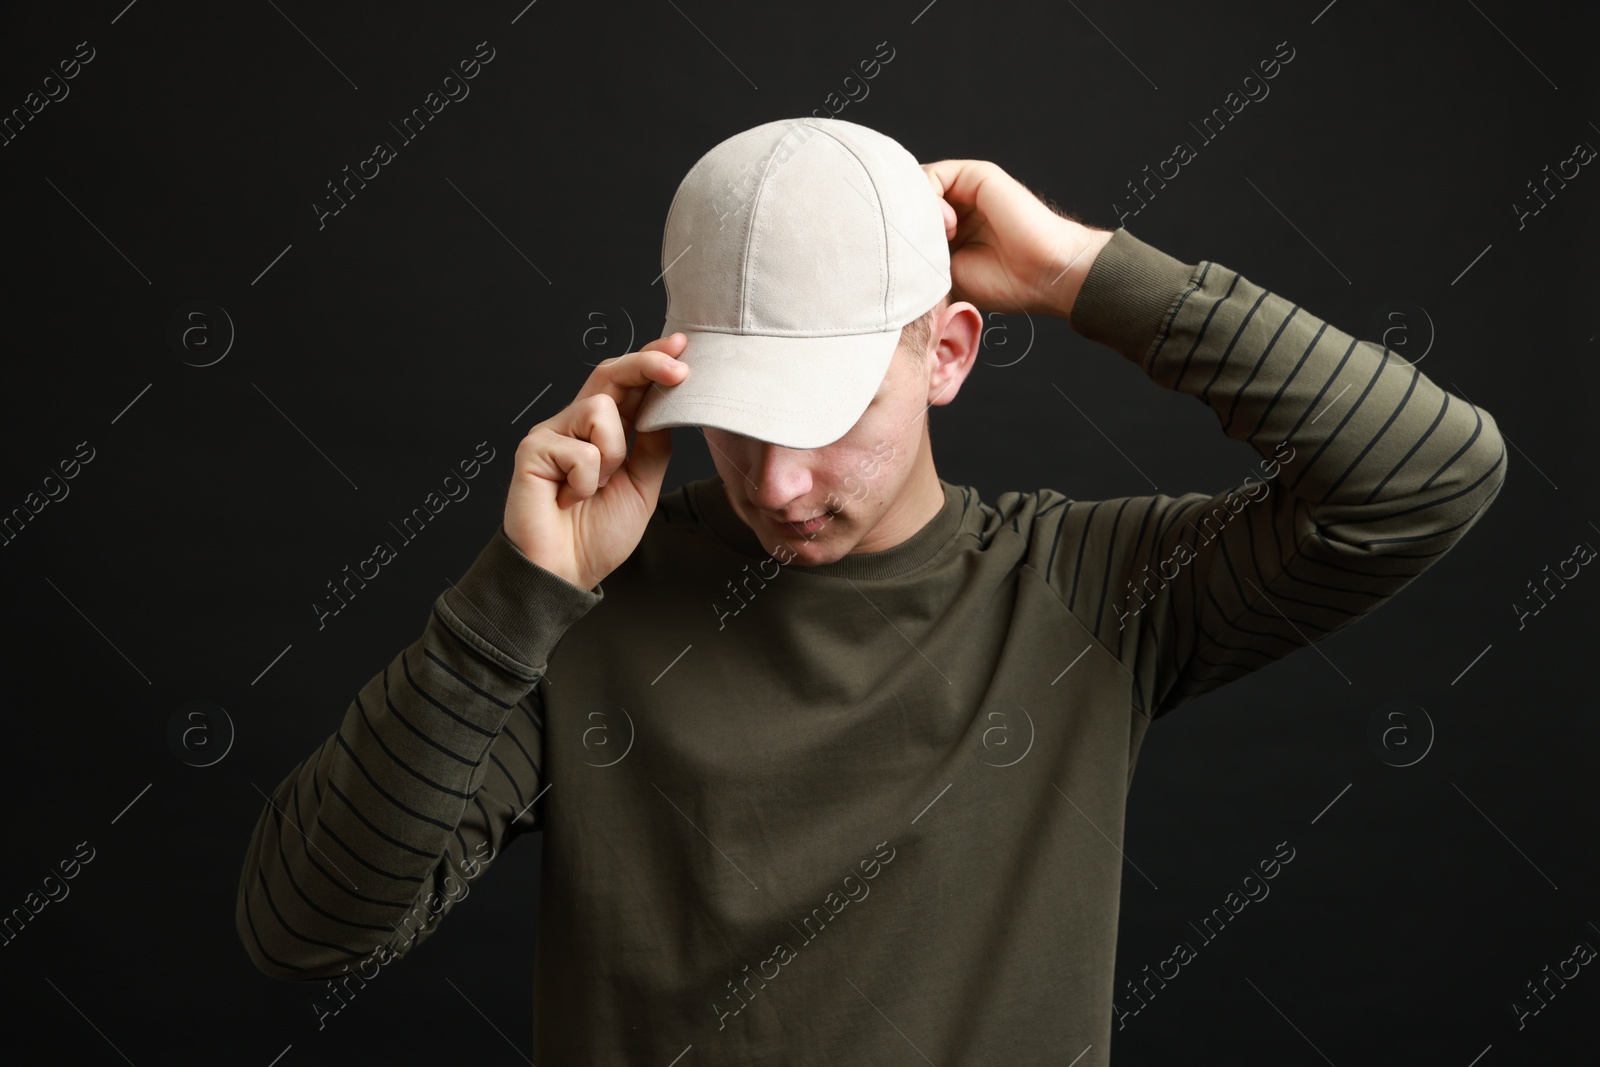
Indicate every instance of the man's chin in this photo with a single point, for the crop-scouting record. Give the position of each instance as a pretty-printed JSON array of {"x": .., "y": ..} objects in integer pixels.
[{"x": 811, "y": 550}]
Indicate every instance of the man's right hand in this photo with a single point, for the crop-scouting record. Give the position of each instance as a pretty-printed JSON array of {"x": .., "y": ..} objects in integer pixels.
[{"x": 579, "y": 499}]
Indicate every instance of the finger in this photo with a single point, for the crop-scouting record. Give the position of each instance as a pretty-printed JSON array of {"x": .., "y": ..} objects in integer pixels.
[
  {"x": 597, "y": 421},
  {"x": 586, "y": 429},
  {"x": 655, "y": 362},
  {"x": 964, "y": 181},
  {"x": 663, "y": 376},
  {"x": 571, "y": 464},
  {"x": 948, "y": 212},
  {"x": 957, "y": 180},
  {"x": 941, "y": 174}
]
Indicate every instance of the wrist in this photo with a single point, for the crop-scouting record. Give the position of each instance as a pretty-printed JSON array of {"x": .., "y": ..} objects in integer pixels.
[{"x": 1078, "y": 250}]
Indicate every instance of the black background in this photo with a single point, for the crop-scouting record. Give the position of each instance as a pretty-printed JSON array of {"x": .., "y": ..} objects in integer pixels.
[{"x": 446, "y": 305}]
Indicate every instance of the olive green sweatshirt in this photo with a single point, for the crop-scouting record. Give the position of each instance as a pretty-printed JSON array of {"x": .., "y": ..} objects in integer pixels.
[{"x": 870, "y": 811}]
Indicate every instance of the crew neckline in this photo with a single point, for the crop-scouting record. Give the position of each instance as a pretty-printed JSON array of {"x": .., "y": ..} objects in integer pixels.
[{"x": 717, "y": 515}]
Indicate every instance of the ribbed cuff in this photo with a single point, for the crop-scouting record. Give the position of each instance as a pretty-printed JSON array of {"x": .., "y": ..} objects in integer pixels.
[
  {"x": 514, "y": 606},
  {"x": 1130, "y": 291}
]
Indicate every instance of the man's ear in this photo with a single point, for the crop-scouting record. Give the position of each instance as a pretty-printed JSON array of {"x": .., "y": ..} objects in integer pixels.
[{"x": 957, "y": 340}]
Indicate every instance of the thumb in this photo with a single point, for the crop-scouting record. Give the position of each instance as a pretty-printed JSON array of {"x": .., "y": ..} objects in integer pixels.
[{"x": 647, "y": 463}]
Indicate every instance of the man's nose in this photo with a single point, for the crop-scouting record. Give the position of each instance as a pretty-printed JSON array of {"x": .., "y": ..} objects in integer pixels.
[{"x": 780, "y": 474}]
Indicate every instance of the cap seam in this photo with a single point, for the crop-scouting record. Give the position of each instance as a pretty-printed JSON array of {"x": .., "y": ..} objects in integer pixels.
[
  {"x": 885, "y": 277},
  {"x": 751, "y": 240}
]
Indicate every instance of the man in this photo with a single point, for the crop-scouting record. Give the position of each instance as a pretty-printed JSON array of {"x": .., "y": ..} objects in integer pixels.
[{"x": 868, "y": 808}]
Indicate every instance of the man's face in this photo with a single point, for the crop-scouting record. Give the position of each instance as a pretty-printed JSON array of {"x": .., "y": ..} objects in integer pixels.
[{"x": 853, "y": 483}]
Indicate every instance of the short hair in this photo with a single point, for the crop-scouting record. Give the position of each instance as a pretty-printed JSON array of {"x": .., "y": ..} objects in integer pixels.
[{"x": 915, "y": 335}]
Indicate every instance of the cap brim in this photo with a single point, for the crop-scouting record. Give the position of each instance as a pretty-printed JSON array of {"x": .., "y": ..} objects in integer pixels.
[{"x": 798, "y": 392}]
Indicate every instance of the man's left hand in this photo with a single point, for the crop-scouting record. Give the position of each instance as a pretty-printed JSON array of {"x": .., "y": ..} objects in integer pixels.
[{"x": 1008, "y": 251}]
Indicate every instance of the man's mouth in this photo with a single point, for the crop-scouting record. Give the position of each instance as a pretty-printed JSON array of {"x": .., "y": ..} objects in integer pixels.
[{"x": 805, "y": 527}]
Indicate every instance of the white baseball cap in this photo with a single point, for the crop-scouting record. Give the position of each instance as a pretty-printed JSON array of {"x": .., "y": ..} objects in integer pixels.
[{"x": 793, "y": 254}]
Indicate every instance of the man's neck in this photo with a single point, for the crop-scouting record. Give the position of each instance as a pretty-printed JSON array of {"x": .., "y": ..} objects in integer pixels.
[{"x": 920, "y": 499}]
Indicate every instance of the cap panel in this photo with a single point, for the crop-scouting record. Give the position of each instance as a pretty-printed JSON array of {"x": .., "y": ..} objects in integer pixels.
[
  {"x": 703, "y": 244},
  {"x": 918, "y": 253},
  {"x": 817, "y": 262}
]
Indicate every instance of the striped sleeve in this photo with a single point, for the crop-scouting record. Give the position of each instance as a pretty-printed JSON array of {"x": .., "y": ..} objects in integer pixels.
[
  {"x": 1369, "y": 473},
  {"x": 434, "y": 769}
]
